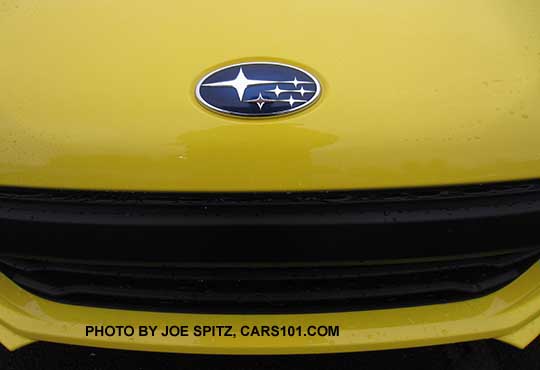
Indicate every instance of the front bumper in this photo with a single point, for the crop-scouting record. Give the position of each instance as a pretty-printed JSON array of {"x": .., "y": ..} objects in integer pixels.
[
  {"x": 407, "y": 225},
  {"x": 511, "y": 315}
]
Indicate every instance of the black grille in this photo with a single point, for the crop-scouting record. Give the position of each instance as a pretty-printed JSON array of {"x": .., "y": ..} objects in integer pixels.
[
  {"x": 397, "y": 206},
  {"x": 269, "y": 252},
  {"x": 266, "y": 288}
]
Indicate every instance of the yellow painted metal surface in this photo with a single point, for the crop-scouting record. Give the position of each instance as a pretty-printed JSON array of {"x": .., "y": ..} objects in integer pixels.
[
  {"x": 511, "y": 314},
  {"x": 100, "y": 94}
]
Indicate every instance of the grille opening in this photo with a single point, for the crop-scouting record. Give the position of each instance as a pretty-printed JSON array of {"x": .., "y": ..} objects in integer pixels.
[{"x": 269, "y": 252}]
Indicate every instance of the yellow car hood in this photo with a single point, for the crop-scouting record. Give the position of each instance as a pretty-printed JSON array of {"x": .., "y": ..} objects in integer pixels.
[{"x": 100, "y": 94}]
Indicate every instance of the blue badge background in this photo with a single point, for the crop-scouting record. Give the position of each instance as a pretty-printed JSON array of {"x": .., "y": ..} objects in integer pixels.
[{"x": 226, "y": 98}]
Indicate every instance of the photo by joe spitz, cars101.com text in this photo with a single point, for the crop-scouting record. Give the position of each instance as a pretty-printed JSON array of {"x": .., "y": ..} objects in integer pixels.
[{"x": 298, "y": 177}]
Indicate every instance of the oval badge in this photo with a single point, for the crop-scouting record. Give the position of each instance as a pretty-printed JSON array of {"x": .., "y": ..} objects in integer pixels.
[{"x": 258, "y": 89}]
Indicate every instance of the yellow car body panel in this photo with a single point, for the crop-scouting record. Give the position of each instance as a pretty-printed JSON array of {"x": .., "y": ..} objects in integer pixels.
[
  {"x": 510, "y": 315},
  {"x": 100, "y": 94}
]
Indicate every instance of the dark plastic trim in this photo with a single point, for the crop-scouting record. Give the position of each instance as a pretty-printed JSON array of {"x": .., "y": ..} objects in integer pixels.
[{"x": 309, "y": 208}]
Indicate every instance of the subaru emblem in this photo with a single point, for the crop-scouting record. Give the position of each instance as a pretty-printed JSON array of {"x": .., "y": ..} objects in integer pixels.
[{"x": 258, "y": 89}]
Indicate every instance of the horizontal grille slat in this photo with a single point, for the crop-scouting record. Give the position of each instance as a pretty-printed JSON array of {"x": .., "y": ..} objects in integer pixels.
[
  {"x": 250, "y": 288},
  {"x": 275, "y": 298},
  {"x": 259, "y": 273}
]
